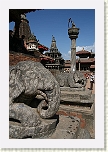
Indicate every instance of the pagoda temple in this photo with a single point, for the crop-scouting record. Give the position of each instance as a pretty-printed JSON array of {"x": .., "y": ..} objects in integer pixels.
[
  {"x": 58, "y": 64},
  {"x": 86, "y": 60}
]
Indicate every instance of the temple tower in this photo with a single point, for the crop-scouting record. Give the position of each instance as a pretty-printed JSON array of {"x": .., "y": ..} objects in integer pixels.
[
  {"x": 73, "y": 35},
  {"x": 24, "y": 27},
  {"x": 54, "y": 53},
  {"x": 57, "y": 65}
]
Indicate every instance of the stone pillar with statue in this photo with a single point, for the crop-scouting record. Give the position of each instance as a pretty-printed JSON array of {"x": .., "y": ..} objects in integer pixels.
[
  {"x": 75, "y": 80},
  {"x": 73, "y": 32}
]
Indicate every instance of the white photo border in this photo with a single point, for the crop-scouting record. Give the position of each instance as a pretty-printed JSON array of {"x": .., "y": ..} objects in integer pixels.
[{"x": 96, "y": 143}]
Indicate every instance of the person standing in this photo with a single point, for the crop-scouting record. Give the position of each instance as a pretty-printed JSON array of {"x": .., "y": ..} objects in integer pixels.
[{"x": 91, "y": 81}]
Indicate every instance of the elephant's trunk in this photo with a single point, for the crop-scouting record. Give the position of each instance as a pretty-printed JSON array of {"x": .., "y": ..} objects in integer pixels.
[{"x": 49, "y": 109}]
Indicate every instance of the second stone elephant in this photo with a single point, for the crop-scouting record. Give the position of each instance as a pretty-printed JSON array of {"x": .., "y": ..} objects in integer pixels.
[
  {"x": 72, "y": 80},
  {"x": 28, "y": 79}
]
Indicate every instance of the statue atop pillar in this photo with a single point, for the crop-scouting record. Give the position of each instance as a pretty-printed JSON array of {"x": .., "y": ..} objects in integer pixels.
[
  {"x": 72, "y": 23},
  {"x": 73, "y": 32}
]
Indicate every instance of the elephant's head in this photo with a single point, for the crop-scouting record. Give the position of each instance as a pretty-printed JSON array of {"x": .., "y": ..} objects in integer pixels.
[{"x": 76, "y": 79}]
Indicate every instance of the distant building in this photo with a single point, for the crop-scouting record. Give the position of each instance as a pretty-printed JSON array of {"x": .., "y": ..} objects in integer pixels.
[
  {"x": 67, "y": 66},
  {"x": 85, "y": 61},
  {"x": 57, "y": 65}
]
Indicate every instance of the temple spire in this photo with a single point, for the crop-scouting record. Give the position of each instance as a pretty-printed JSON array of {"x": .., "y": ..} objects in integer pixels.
[
  {"x": 23, "y": 16},
  {"x": 53, "y": 43}
]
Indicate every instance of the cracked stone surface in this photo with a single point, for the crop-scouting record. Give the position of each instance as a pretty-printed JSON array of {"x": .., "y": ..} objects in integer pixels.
[{"x": 69, "y": 128}]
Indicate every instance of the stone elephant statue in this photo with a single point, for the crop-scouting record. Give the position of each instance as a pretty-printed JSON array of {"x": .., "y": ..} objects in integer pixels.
[
  {"x": 73, "y": 80},
  {"x": 27, "y": 80}
]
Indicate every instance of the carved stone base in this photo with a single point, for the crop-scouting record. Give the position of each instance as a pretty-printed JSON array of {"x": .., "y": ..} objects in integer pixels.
[{"x": 17, "y": 131}]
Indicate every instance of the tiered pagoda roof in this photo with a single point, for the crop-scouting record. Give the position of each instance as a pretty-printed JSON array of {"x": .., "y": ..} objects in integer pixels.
[
  {"x": 46, "y": 58},
  {"x": 55, "y": 54},
  {"x": 43, "y": 47},
  {"x": 83, "y": 52},
  {"x": 85, "y": 60},
  {"x": 32, "y": 39}
]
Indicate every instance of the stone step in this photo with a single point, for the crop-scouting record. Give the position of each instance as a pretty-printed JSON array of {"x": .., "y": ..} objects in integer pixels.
[
  {"x": 78, "y": 96},
  {"x": 73, "y": 108},
  {"x": 71, "y": 89}
]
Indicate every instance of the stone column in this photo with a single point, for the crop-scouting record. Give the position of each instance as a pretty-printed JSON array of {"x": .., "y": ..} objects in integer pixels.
[
  {"x": 79, "y": 63},
  {"x": 73, "y": 35},
  {"x": 73, "y": 55}
]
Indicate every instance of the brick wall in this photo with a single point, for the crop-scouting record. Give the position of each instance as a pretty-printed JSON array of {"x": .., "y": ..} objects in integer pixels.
[{"x": 15, "y": 57}]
